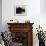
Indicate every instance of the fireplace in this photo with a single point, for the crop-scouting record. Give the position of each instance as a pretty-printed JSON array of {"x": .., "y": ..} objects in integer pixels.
[
  {"x": 22, "y": 33},
  {"x": 20, "y": 38}
]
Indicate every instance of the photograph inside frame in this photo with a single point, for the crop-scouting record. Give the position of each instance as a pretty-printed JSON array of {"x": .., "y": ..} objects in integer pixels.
[{"x": 20, "y": 10}]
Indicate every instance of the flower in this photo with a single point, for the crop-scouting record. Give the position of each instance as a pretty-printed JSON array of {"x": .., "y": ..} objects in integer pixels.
[{"x": 40, "y": 33}]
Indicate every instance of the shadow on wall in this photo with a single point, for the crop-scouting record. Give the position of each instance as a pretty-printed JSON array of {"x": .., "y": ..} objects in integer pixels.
[
  {"x": 43, "y": 6},
  {"x": 0, "y": 15}
]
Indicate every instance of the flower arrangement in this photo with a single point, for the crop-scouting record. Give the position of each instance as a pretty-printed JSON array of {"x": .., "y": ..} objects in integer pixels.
[{"x": 40, "y": 34}]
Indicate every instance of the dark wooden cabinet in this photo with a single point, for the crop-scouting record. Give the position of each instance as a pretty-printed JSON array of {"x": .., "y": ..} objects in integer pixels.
[{"x": 22, "y": 33}]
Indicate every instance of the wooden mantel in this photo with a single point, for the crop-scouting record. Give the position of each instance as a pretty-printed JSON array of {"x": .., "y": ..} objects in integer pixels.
[{"x": 23, "y": 27}]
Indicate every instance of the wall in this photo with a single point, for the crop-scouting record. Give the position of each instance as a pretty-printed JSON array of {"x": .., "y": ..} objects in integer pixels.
[
  {"x": 43, "y": 14},
  {"x": 34, "y": 14},
  {"x": 32, "y": 7},
  {"x": 43, "y": 6},
  {"x": 0, "y": 15}
]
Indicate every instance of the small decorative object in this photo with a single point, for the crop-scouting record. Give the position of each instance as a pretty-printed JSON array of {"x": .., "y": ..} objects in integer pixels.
[
  {"x": 41, "y": 36},
  {"x": 13, "y": 21},
  {"x": 27, "y": 21},
  {"x": 20, "y": 10}
]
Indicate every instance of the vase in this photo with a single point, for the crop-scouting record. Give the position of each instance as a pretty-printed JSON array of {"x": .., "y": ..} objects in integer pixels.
[{"x": 41, "y": 43}]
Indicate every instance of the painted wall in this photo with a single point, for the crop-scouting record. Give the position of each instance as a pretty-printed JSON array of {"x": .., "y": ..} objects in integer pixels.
[
  {"x": 0, "y": 15},
  {"x": 34, "y": 14},
  {"x": 43, "y": 6},
  {"x": 43, "y": 14}
]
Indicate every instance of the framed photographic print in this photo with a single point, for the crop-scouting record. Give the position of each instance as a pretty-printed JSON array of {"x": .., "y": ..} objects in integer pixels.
[{"x": 20, "y": 10}]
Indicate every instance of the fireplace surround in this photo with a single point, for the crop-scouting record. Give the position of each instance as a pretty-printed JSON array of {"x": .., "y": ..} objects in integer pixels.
[
  {"x": 20, "y": 38},
  {"x": 22, "y": 33}
]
